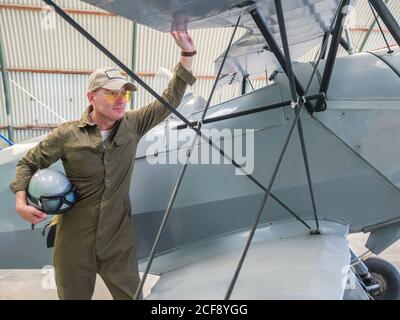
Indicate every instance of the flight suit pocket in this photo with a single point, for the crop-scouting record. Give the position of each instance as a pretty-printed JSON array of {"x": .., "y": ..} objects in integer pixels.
[
  {"x": 83, "y": 163},
  {"x": 77, "y": 155}
]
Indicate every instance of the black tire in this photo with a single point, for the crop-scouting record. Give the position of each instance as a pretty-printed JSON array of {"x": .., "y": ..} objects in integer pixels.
[{"x": 387, "y": 275}]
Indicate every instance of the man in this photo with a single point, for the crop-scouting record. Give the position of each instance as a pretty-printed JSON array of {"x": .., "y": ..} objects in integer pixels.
[{"x": 98, "y": 152}]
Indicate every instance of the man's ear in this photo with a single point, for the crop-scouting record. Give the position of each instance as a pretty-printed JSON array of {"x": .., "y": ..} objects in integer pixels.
[{"x": 90, "y": 96}]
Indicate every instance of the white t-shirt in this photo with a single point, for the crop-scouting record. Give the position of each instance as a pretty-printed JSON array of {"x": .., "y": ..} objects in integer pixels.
[{"x": 105, "y": 134}]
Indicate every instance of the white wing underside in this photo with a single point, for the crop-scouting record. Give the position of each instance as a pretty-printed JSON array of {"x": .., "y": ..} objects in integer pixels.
[{"x": 306, "y": 22}]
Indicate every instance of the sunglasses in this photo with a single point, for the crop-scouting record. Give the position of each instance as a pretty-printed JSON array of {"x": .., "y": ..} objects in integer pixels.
[{"x": 113, "y": 96}]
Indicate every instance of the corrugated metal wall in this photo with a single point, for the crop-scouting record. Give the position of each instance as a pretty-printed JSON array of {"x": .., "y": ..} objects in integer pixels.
[
  {"x": 28, "y": 44},
  {"x": 155, "y": 50},
  {"x": 38, "y": 44},
  {"x": 363, "y": 19},
  {"x": 67, "y": 4}
]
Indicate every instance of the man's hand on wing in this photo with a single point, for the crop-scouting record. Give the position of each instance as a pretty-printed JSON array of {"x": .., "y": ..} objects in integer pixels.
[
  {"x": 186, "y": 44},
  {"x": 184, "y": 40}
]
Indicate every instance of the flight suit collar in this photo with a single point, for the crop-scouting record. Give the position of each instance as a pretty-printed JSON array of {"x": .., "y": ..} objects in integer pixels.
[
  {"x": 85, "y": 119},
  {"x": 123, "y": 132}
]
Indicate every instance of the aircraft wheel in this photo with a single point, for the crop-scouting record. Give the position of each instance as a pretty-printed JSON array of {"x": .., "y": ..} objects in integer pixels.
[{"x": 388, "y": 277}]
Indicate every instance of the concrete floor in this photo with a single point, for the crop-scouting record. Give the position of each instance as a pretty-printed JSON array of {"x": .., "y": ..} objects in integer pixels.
[
  {"x": 39, "y": 284},
  {"x": 392, "y": 254},
  {"x": 34, "y": 284}
]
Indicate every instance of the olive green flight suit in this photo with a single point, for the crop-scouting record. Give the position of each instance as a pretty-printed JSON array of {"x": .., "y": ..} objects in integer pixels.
[{"x": 95, "y": 236}]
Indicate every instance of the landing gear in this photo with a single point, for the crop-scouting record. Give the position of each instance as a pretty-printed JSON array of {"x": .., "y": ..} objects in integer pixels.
[{"x": 383, "y": 281}]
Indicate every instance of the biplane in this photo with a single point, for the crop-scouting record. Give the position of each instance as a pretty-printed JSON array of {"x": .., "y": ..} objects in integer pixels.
[{"x": 325, "y": 161}]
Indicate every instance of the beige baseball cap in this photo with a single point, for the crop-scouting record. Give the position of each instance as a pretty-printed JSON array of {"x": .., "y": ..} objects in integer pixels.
[{"x": 109, "y": 78}]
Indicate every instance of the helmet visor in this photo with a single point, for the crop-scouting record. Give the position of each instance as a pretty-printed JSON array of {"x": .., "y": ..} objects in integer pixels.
[
  {"x": 51, "y": 205},
  {"x": 71, "y": 197},
  {"x": 59, "y": 203}
]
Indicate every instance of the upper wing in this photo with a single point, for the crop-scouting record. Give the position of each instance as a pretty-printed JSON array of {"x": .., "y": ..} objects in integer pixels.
[{"x": 306, "y": 22}]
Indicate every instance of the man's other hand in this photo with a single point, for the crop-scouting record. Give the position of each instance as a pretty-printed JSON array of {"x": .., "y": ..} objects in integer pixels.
[{"x": 31, "y": 214}]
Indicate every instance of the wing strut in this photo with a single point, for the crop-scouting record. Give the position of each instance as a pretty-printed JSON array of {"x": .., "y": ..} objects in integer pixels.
[
  {"x": 330, "y": 61},
  {"x": 380, "y": 28},
  {"x": 270, "y": 40},
  {"x": 295, "y": 101},
  {"x": 180, "y": 178},
  {"x": 387, "y": 18},
  {"x": 249, "y": 111}
]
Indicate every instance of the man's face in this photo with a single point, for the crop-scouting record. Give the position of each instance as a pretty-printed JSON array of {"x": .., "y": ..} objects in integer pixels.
[{"x": 108, "y": 104}]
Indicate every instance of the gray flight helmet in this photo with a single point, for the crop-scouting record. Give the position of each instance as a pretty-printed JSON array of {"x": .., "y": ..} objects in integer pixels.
[{"x": 51, "y": 192}]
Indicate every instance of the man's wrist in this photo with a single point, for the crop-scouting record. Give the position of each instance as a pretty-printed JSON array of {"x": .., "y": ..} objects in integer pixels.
[
  {"x": 20, "y": 207},
  {"x": 188, "y": 53}
]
